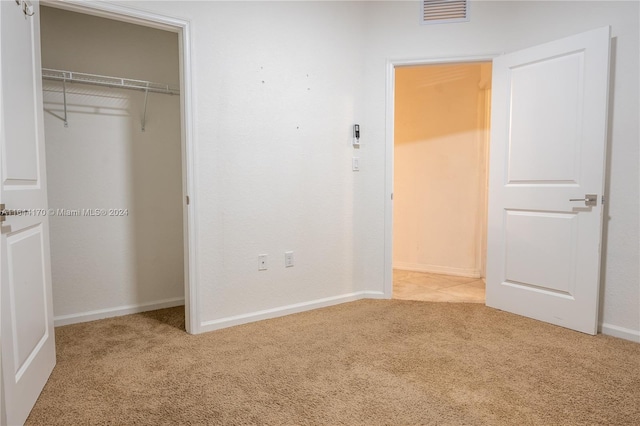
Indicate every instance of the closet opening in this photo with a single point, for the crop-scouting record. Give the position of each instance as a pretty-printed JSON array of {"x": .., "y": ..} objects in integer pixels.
[
  {"x": 440, "y": 169},
  {"x": 116, "y": 166}
]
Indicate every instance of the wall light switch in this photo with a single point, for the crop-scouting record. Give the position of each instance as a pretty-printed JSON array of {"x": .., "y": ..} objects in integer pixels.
[
  {"x": 288, "y": 259},
  {"x": 355, "y": 164}
]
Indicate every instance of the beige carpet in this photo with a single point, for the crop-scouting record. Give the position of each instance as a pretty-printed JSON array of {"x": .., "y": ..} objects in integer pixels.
[{"x": 371, "y": 362}]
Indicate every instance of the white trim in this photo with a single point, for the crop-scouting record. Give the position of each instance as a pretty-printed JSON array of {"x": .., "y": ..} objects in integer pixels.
[
  {"x": 621, "y": 332},
  {"x": 442, "y": 60},
  {"x": 483, "y": 227},
  {"x": 3, "y": 411},
  {"x": 189, "y": 154},
  {"x": 287, "y": 310},
  {"x": 389, "y": 148},
  {"x": 116, "y": 312},
  {"x": 435, "y": 269},
  {"x": 108, "y": 10},
  {"x": 388, "y": 170},
  {"x": 187, "y": 110}
]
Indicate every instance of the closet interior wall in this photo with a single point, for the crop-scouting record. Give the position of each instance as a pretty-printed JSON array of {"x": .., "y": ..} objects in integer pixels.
[{"x": 131, "y": 259}]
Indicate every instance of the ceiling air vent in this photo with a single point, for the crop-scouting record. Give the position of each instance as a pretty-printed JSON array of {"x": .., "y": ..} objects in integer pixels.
[{"x": 443, "y": 11}]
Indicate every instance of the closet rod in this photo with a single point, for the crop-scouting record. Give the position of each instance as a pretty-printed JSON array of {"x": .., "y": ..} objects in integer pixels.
[{"x": 103, "y": 80}]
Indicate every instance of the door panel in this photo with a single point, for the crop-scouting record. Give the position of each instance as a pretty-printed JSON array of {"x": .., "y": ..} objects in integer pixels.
[
  {"x": 547, "y": 237},
  {"x": 28, "y": 347},
  {"x": 550, "y": 92},
  {"x": 18, "y": 161},
  {"x": 548, "y": 138},
  {"x": 27, "y": 288}
]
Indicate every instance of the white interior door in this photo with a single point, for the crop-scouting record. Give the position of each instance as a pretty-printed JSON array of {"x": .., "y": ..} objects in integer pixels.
[
  {"x": 548, "y": 138},
  {"x": 28, "y": 348}
]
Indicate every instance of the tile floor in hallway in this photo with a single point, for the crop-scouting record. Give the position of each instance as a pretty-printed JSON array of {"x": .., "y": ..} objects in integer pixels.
[{"x": 409, "y": 285}]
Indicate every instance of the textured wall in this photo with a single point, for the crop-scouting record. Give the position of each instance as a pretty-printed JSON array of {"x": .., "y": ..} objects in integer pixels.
[
  {"x": 104, "y": 160},
  {"x": 277, "y": 87}
]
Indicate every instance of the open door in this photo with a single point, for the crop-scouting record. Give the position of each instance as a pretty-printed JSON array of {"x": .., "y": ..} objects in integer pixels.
[
  {"x": 28, "y": 348},
  {"x": 548, "y": 139}
]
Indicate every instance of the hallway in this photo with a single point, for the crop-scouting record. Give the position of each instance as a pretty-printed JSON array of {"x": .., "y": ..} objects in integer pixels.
[{"x": 408, "y": 285}]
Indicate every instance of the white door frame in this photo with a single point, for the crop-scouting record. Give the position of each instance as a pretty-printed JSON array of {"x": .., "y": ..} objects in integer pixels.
[
  {"x": 189, "y": 183},
  {"x": 392, "y": 64}
]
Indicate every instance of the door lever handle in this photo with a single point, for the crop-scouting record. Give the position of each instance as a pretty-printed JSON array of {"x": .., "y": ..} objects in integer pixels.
[{"x": 590, "y": 200}]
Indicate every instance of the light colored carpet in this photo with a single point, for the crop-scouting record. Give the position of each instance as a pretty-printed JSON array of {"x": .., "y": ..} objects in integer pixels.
[{"x": 371, "y": 362}]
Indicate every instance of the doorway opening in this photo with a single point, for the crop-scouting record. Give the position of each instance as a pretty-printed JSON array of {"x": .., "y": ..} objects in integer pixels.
[
  {"x": 118, "y": 165},
  {"x": 440, "y": 168}
]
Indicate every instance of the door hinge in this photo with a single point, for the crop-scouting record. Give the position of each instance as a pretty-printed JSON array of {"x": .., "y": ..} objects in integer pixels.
[
  {"x": 392, "y": 195},
  {"x": 187, "y": 200},
  {"x": 602, "y": 200}
]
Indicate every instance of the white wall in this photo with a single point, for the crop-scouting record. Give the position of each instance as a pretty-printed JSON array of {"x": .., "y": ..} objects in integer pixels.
[
  {"x": 273, "y": 164},
  {"x": 502, "y": 27},
  {"x": 277, "y": 88},
  {"x": 103, "y": 266},
  {"x": 439, "y": 196}
]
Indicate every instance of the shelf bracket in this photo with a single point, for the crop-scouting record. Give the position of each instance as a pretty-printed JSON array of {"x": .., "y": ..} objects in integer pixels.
[
  {"x": 64, "y": 98},
  {"x": 144, "y": 114}
]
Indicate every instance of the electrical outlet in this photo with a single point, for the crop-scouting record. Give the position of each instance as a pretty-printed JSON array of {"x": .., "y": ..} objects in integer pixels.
[
  {"x": 262, "y": 262},
  {"x": 288, "y": 259},
  {"x": 355, "y": 164}
]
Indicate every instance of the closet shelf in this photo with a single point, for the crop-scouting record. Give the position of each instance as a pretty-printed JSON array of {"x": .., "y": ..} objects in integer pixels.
[
  {"x": 102, "y": 80},
  {"x": 106, "y": 81}
]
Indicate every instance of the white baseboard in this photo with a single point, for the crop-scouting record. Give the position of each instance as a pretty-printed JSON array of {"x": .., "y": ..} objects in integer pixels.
[
  {"x": 621, "y": 332},
  {"x": 287, "y": 310},
  {"x": 435, "y": 269},
  {"x": 117, "y": 311}
]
